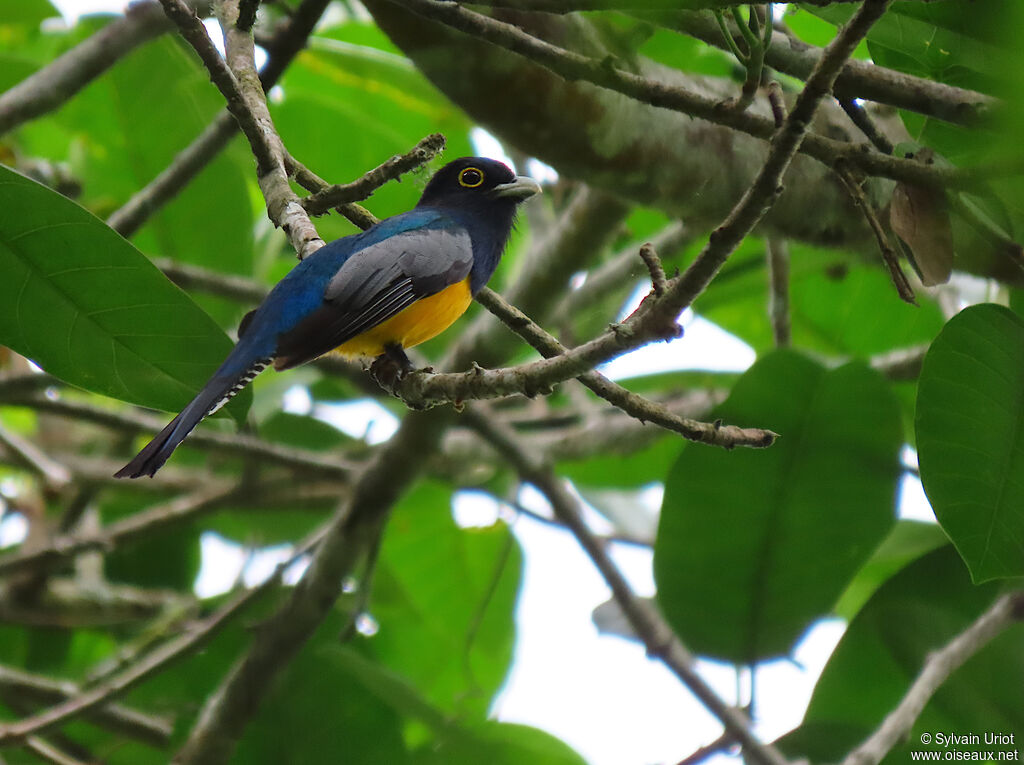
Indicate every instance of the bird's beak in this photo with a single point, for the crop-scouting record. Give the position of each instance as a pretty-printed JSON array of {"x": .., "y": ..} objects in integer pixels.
[{"x": 519, "y": 189}]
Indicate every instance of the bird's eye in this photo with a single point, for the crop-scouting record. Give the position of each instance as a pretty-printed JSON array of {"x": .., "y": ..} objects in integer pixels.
[{"x": 471, "y": 177}]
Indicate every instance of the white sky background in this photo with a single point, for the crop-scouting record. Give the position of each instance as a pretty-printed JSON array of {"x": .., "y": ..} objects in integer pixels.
[{"x": 600, "y": 694}]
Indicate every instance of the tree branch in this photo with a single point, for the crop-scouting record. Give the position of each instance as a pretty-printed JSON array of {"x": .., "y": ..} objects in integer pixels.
[
  {"x": 102, "y": 693},
  {"x": 238, "y": 82},
  {"x": 937, "y": 669},
  {"x": 141, "y": 524},
  {"x": 49, "y": 752},
  {"x": 241, "y": 444},
  {"x": 392, "y": 169},
  {"x": 635, "y": 405},
  {"x": 57, "y": 82},
  {"x": 777, "y": 254},
  {"x": 616, "y": 276},
  {"x": 574, "y": 66},
  {"x": 651, "y": 629},
  {"x": 282, "y": 49},
  {"x": 124, "y": 721},
  {"x": 355, "y": 527},
  {"x": 53, "y": 474},
  {"x": 857, "y": 79},
  {"x": 889, "y": 256}
]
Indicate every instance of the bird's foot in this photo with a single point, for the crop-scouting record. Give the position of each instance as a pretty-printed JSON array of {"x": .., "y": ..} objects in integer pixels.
[{"x": 390, "y": 368}]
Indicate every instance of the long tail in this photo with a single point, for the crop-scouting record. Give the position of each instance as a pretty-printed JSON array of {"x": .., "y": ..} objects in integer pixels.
[{"x": 234, "y": 374}]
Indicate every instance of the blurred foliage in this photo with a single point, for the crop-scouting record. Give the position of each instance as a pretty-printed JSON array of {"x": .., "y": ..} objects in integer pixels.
[{"x": 752, "y": 547}]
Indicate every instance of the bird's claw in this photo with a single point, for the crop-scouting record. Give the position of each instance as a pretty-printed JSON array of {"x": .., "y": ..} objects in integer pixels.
[{"x": 390, "y": 368}]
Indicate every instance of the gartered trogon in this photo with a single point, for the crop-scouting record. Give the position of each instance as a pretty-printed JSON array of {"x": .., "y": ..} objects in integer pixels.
[{"x": 371, "y": 294}]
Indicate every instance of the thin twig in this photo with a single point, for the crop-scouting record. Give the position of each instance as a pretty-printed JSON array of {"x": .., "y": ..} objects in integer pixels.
[
  {"x": 147, "y": 522},
  {"x": 937, "y": 669},
  {"x": 191, "y": 640},
  {"x": 242, "y": 444},
  {"x": 720, "y": 744},
  {"x": 310, "y": 181},
  {"x": 777, "y": 255},
  {"x": 633, "y": 404},
  {"x": 858, "y": 79},
  {"x": 124, "y": 721},
  {"x": 282, "y": 49},
  {"x": 392, "y": 169},
  {"x": 617, "y": 276},
  {"x": 395, "y": 466},
  {"x": 57, "y": 82},
  {"x": 53, "y": 474},
  {"x": 231, "y": 286},
  {"x": 650, "y": 258},
  {"x": 889, "y": 257},
  {"x": 50, "y": 752},
  {"x": 860, "y": 117},
  {"x": 575, "y": 66},
  {"x": 239, "y": 83},
  {"x": 901, "y": 363},
  {"x": 777, "y": 102}
]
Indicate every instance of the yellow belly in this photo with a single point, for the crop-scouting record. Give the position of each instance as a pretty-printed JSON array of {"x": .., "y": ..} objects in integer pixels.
[{"x": 418, "y": 323}]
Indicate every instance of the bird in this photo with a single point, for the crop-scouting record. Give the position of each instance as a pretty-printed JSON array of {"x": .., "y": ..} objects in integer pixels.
[{"x": 370, "y": 295}]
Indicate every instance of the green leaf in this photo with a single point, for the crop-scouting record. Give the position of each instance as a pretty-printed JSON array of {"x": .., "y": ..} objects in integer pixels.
[
  {"x": 907, "y": 542},
  {"x": 970, "y": 437},
  {"x": 28, "y": 13},
  {"x": 87, "y": 307},
  {"x": 958, "y": 44},
  {"x": 754, "y": 545},
  {"x": 454, "y": 740},
  {"x": 837, "y": 306},
  {"x": 916, "y": 612},
  {"x": 170, "y": 559},
  {"x": 455, "y": 650},
  {"x": 499, "y": 743},
  {"x": 625, "y": 469},
  {"x": 381, "y": 105},
  {"x": 318, "y": 714}
]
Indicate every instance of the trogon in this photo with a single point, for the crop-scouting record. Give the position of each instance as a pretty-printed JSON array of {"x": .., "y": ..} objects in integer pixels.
[{"x": 372, "y": 294}]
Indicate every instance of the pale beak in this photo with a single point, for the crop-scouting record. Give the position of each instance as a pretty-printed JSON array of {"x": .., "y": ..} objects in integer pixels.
[{"x": 520, "y": 188}]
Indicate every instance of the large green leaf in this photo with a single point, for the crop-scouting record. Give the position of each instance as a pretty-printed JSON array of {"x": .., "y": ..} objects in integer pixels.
[
  {"x": 114, "y": 137},
  {"x": 500, "y": 744},
  {"x": 957, "y": 43},
  {"x": 90, "y": 309},
  {"x": 916, "y": 612},
  {"x": 907, "y": 542},
  {"x": 317, "y": 713},
  {"x": 118, "y": 141},
  {"x": 837, "y": 305},
  {"x": 24, "y": 47},
  {"x": 970, "y": 437},
  {"x": 754, "y": 545},
  {"x": 625, "y": 469},
  {"x": 445, "y": 598},
  {"x": 29, "y": 13},
  {"x": 454, "y": 740}
]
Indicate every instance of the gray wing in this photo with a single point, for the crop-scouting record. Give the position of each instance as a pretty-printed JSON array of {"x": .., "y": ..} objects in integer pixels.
[{"x": 373, "y": 285}]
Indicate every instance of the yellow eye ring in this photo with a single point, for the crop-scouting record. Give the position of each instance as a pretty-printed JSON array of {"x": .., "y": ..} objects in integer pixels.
[{"x": 471, "y": 177}]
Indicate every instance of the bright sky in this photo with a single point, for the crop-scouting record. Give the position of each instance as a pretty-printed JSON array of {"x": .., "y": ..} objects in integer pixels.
[{"x": 601, "y": 694}]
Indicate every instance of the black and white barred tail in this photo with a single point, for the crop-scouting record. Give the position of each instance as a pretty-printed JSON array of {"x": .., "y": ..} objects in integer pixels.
[{"x": 220, "y": 389}]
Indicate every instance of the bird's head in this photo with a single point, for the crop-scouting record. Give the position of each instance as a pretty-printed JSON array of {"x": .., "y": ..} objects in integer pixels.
[
  {"x": 478, "y": 184},
  {"x": 481, "y": 195}
]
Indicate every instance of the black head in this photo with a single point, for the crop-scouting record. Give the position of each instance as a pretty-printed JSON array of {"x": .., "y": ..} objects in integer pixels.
[
  {"x": 482, "y": 195},
  {"x": 477, "y": 182}
]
